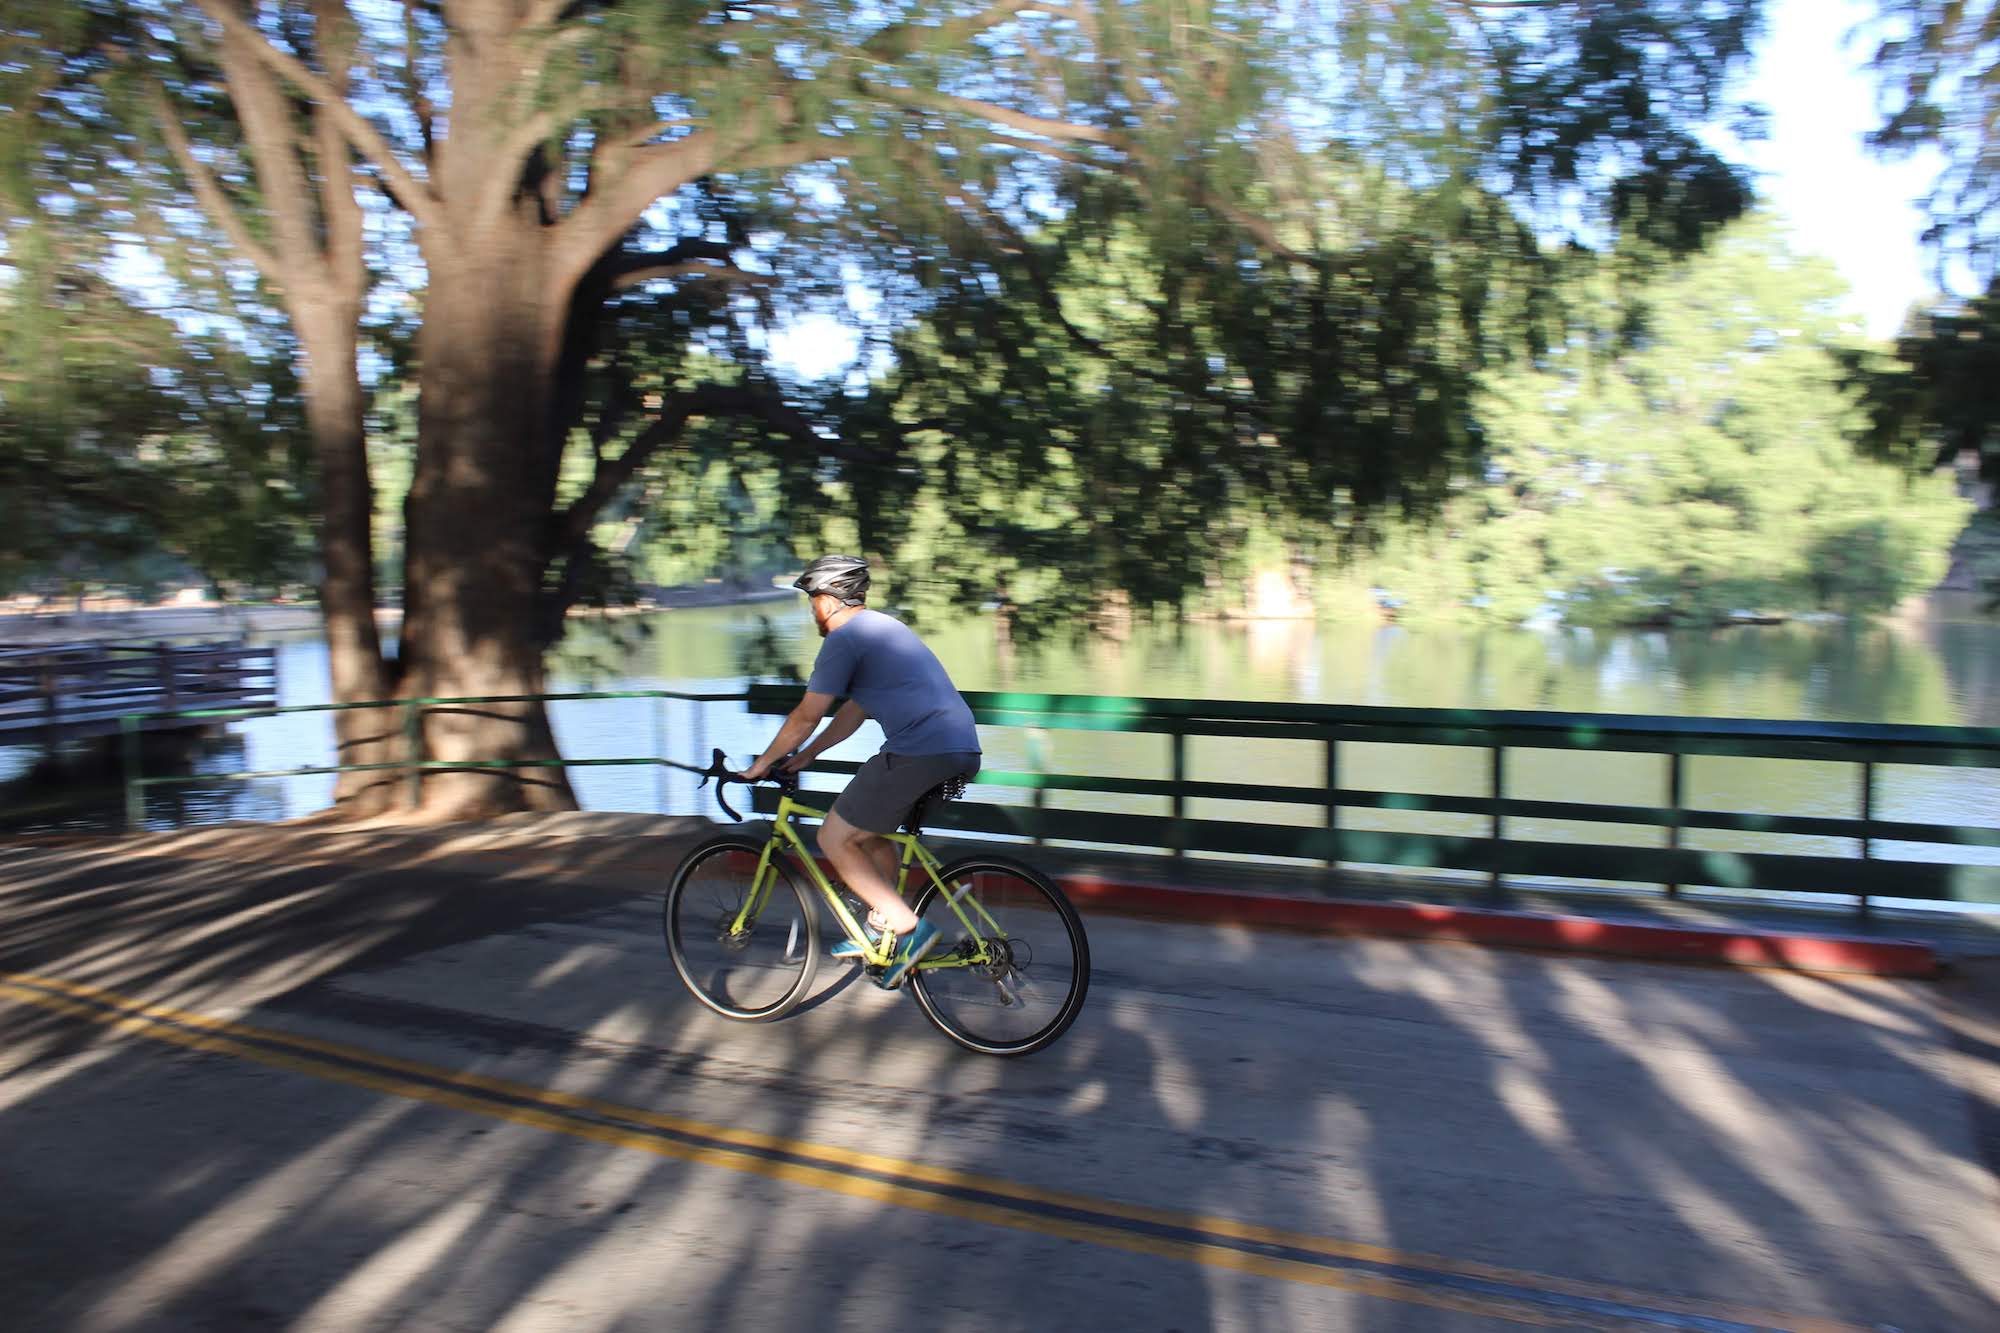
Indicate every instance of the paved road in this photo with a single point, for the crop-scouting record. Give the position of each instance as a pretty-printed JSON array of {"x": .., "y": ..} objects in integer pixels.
[{"x": 249, "y": 1082}]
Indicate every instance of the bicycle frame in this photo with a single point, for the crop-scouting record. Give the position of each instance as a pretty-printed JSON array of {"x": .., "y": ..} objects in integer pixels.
[{"x": 913, "y": 854}]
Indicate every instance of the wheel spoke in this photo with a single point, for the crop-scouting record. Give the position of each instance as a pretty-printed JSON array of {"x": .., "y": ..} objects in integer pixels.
[
  {"x": 989, "y": 1001},
  {"x": 757, "y": 972}
]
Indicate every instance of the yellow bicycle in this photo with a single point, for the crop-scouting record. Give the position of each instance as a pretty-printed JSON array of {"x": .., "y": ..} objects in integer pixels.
[{"x": 741, "y": 921}]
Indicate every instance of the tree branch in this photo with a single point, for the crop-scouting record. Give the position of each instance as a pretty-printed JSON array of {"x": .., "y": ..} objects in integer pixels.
[
  {"x": 687, "y": 258},
  {"x": 1012, "y": 243},
  {"x": 746, "y": 400},
  {"x": 899, "y": 40},
  {"x": 273, "y": 136},
  {"x": 1265, "y": 232},
  {"x": 420, "y": 105},
  {"x": 1042, "y": 149},
  {"x": 545, "y": 14},
  {"x": 414, "y": 194},
  {"x": 512, "y": 152},
  {"x": 618, "y": 269},
  {"x": 692, "y": 268},
  {"x": 790, "y": 153},
  {"x": 607, "y": 213},
  {"x": 542, "y": 123},
  {"x": 346, "y": 266},
  {"x": 209, "y": 192},
  {"x": 656, "y": 129},
  {"x": 596, "y": 224},
  {"x": 1062, "y": 131}
]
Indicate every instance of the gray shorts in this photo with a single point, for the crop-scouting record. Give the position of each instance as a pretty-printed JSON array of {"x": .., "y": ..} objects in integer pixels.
[{"x": 878, "y": 798}]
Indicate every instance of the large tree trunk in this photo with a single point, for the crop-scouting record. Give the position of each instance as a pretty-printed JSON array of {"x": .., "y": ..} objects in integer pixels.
[
  {"x": 477, "y": 513},
  {"x": 335, "y": 415},
  {"x": 478, "y": 509}
]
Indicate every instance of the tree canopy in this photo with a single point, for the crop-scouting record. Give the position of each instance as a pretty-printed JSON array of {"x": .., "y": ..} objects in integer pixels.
[
  {"x": 1679, "y": 449},
  {"x": 581, "y": 223},
  {"x": 1936, "y": 60},
  {"x": 130, "y": 448},
  {"x": 1939, "y": 65},
  {"x": 1710, "y": 468}
]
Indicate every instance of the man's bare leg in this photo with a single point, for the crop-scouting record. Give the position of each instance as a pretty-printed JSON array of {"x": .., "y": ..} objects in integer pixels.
[{"x": 866, "y": 863}]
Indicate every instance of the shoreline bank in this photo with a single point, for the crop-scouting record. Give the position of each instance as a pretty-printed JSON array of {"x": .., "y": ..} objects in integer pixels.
[{"x": 133, "y": 621}]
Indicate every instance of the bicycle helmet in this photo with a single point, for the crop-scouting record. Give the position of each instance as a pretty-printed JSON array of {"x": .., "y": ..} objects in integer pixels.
[{"x": 842, "y": 576}]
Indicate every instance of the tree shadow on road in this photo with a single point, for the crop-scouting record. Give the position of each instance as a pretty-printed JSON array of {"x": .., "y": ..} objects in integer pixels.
[{"x": 1752, "y": 1137}]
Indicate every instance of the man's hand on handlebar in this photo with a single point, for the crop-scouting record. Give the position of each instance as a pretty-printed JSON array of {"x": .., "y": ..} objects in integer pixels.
[
  {"x": 789, "y": 766},
  {"x": 784, "y": 773}
]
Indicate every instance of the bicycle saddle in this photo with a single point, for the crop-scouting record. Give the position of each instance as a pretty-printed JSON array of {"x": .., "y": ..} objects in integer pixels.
[{"x": 948, "y": 790}]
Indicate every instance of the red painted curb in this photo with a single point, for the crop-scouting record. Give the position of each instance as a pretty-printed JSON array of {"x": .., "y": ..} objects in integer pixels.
[{"x": 1521, "y": 930}]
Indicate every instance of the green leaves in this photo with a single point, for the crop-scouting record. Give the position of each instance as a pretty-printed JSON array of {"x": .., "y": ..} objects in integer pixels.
[
  {"x": 1937, "y": 63},
  {"x": 129, "y": 447},
  {"x": 1709, "y": 467},
  {"x": 1123, "y": 428}
]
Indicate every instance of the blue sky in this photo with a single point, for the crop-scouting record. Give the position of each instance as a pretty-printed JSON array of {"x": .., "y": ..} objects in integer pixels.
[{"x": 1840, "y": 201}]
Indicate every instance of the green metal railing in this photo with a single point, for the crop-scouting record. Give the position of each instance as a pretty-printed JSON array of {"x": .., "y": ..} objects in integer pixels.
[
  {"x": 1503, "y": 850},
  {"x": 1864, "y": 746}
]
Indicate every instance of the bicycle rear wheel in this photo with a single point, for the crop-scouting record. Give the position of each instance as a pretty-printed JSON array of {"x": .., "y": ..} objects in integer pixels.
[
  {"x": 755, "y": 964},
  {"x": 1014, "y": 980}
]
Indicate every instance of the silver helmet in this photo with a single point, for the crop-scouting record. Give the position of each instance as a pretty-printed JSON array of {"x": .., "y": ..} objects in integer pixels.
[{"x": 842, "y": 576}]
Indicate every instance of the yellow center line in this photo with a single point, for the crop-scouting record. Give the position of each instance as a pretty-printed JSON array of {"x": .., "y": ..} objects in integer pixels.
[{"x": 829, "y": 1167}]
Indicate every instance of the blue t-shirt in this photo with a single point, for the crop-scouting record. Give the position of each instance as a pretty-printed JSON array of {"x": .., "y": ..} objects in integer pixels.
[{"x": 881, "y": 664}]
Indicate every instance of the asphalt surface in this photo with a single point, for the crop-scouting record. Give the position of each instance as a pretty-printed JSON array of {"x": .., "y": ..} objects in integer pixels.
[{"x": 255, "y": 1079}]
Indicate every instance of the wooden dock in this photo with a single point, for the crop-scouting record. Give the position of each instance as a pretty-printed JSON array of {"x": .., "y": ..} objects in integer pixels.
[{"x": 53, "y": 693}]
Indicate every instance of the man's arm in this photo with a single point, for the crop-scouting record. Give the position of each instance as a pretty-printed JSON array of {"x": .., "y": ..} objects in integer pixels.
[
  {"x": 797, "y": 727},
  {"x": 845, "y": 723}
]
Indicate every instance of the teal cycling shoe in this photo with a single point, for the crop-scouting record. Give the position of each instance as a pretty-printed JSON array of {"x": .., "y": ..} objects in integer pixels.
[
  {"x": 915, "y": 945},
  {"x": 846, "y": 948},
  {"x": 872, "y": 929}
]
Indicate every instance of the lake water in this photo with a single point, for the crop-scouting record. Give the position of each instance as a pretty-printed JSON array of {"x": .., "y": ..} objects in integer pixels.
[{"x": 1942, "y": 670}]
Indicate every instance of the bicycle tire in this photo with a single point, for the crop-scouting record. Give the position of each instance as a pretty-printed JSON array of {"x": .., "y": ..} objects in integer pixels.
[
  {"x": 958, "y": 1000},
  {"x": 717, "y": 965}
]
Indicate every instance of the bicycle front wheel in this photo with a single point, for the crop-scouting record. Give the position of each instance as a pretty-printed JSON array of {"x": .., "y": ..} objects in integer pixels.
[
  {"x": 1009, "y": 975},
  {"x": 747, "y": 948}
]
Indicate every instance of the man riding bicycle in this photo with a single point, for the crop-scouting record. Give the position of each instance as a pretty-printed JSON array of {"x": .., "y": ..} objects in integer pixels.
[{"x": 888, "y": 674}]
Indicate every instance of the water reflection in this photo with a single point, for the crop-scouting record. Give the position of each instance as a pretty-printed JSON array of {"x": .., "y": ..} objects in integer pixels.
[{"x": 83, "y": 790}]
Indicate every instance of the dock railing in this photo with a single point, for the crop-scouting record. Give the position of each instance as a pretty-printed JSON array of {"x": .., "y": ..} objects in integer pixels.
[{"x": 50, "y": 693}]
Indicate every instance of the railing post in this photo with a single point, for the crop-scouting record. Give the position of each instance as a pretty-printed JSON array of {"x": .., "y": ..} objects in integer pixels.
[
  {"x": 660, "y": 752},
  {"x": 1179, "y": 800},
  {"x": 1674, "y": 800},
  {"x": 1867, "y": 820},
  {"x": 1332, "y": 798},
  {"x": 1499, "y": 821},
  {"x": 135, "y": 805},
  {"x": 701, "y": 729},
  {"x": 413, "y": 742},
  {"x": 52, "y": 705},
  {"x": 1038, "y": 759},
  {"x": 169, "y": 685}
]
